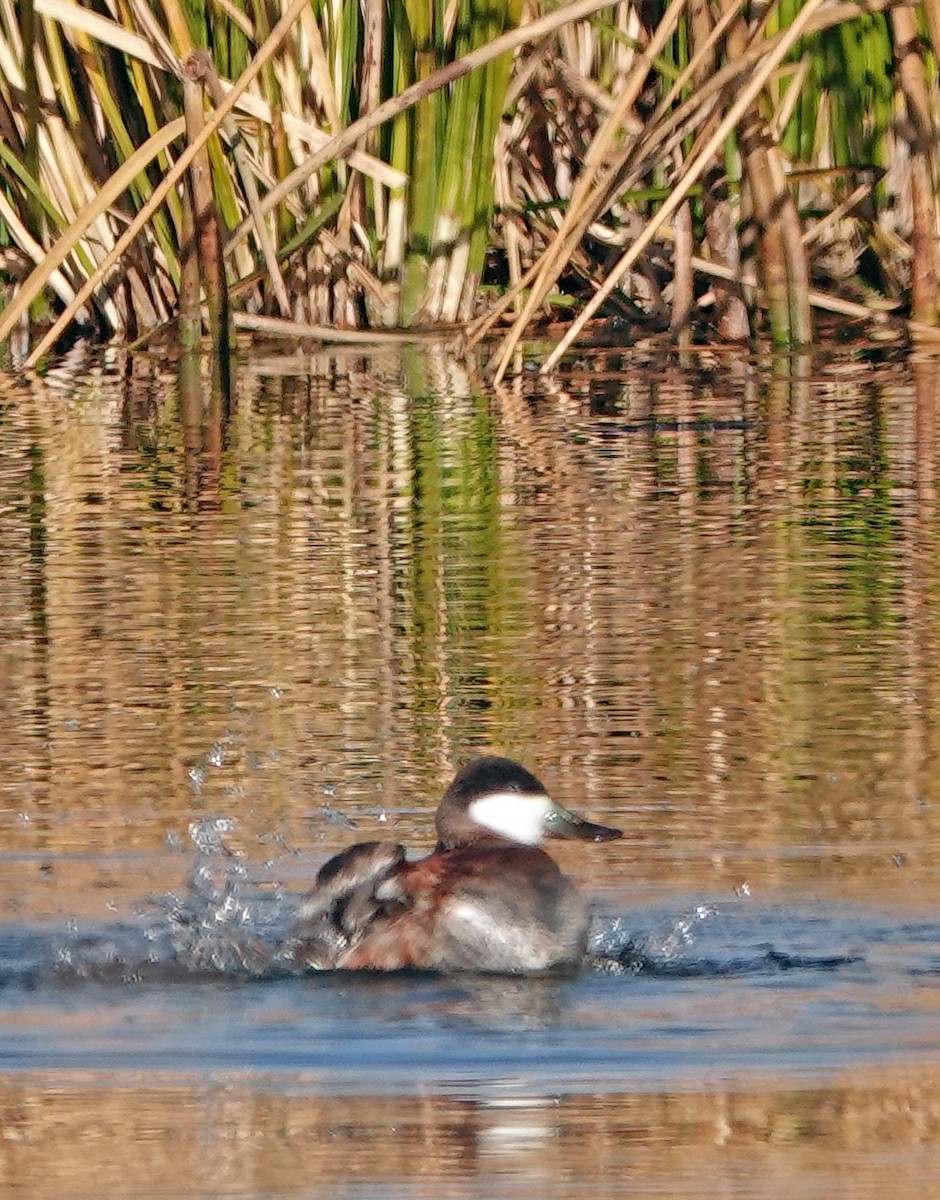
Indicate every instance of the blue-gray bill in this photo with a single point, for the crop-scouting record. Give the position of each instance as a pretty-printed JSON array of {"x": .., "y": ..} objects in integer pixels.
[{"x": 560, "y": 823}]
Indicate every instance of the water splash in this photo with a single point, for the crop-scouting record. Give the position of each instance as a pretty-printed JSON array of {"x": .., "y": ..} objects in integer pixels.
[
  {"x": 675, "y": 950},
  {"x": 209, "y": 833},
  {"x": 218, "y": 755},
  {"x": 225, "y": 923},
  {"x": 231, "y": 924}
]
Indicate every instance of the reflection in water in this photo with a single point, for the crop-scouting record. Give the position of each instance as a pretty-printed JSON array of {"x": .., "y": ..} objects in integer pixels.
[
  {"x": 701, "y": 603},
  {"x": 235, "y": 1139},
  {"x": 703, "y": 594}
]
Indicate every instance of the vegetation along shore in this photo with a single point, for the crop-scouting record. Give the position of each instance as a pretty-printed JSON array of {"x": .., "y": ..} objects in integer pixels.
[{"x": 313, "y": 168}]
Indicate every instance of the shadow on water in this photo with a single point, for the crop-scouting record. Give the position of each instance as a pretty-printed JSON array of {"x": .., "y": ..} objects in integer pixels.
[{"x": 634, "y": 959}]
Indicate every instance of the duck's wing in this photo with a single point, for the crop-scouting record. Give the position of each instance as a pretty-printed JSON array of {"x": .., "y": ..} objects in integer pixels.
[{"x": 344, "y": 901}]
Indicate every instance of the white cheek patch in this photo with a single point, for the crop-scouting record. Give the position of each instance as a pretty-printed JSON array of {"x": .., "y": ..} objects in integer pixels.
[{"x": 511, "y": 815}]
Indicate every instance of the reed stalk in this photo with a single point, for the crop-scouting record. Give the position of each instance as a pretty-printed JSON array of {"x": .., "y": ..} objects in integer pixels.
[
  {"x": 190, "y": 311},
  {"x": 921, "y": 135},
  {"x": 205, "y": 227}
]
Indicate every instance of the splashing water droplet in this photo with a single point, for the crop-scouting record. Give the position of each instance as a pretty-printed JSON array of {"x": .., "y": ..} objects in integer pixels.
[
  {"x": 208, "y": 834},
  {"x": 333, "y": 817}
]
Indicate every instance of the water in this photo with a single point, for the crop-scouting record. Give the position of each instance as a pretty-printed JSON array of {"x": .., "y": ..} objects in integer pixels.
[{"x": 701, "y": 603}]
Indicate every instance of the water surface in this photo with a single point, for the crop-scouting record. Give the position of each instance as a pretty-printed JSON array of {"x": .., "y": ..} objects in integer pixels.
[{"x": 701, "y": 602}]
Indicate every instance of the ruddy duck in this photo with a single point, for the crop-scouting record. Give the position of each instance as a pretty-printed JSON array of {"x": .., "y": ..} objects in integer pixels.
[{"x": 487, "y": 899}]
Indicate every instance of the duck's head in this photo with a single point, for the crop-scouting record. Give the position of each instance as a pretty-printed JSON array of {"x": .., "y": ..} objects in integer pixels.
[{"x": 496, "y": 797}]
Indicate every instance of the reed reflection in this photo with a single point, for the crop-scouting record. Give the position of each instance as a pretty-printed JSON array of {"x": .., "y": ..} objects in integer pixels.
[
  {"x": 857, "y": 1137},
  {"x": 708, "y": 595}
]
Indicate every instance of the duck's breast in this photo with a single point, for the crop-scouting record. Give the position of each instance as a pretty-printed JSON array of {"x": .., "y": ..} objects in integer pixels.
[{"x": 508, "y": 911}]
